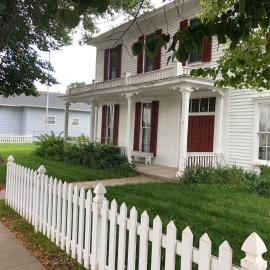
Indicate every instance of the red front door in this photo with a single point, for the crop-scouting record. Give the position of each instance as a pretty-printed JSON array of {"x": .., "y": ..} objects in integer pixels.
[{"x": 201, "y": 133}]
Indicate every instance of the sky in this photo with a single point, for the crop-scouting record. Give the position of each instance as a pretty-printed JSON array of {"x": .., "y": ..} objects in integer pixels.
[{"x": 76, "y": 62}]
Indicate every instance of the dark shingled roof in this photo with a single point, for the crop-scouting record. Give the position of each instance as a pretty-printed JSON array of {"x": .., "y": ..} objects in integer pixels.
[{"x": 40, "y": 101}]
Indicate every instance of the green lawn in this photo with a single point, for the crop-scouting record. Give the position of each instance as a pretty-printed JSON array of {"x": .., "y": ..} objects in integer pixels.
[
  {"x": 225, "y": 214},
  {"x": 24, "y": 154}
]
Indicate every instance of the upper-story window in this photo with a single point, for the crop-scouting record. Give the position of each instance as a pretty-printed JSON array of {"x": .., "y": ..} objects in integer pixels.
[
  {"x": 112, "y": 63},
  {"x": 204, "y": 51},
  {"x": 196, "y": 54},
  {"x": 146, "y": 63},
  {"x": 149, "y": 62},
  {"x": 264, "y": 132}
]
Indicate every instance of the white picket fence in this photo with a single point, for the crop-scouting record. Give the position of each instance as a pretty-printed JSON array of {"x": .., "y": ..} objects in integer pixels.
[
  {"x": 16, "y": 138},
  {"x": 100, "y": 237}
]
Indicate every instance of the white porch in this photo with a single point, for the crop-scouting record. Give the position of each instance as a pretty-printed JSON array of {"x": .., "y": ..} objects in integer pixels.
[{"x": 174, "y": 88}]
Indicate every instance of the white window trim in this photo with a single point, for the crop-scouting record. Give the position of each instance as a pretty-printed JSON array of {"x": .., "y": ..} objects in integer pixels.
[
  {"x": 49, "y": 123},
  {"x": 77, "y": 118},
  {"x": 256, "y": 160}
]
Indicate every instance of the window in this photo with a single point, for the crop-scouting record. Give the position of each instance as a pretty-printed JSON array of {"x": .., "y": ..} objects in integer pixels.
[
  {"x": 109, "y": 125},
  {"x": 112, "y": 63},
  {"x": 149, "y": 63},
  {"x": 75, "y": 122},
  {"x": 202, "y": 105},
  {"x": 51, "y": 120},
  {"x": 146, "y": 127},
  {"x": 264, "y": 132},
  {"x": 196, "y": 54}
]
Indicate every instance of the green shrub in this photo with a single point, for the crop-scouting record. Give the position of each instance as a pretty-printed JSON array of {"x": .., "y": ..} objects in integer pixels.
[
  {"x": 229, "y": 175},
  {"x": 265, "y": 171},
  {"x": 262, "y": 186},
  {"x": 90, "y": 154},
  {"x": 51, "y": 145}
]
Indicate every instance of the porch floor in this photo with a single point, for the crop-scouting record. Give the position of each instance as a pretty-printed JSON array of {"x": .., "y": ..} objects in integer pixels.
[{"x": 156, "y": 171}]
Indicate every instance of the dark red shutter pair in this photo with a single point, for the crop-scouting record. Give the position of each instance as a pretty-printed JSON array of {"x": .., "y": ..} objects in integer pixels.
[
  {"x": 154, "y": 127},
  {"x": 140, "y": 57},
  {"x": 118, "y": 65},
  {"x": 206, "y": 44},
  {"x": 115, "y": 123}
]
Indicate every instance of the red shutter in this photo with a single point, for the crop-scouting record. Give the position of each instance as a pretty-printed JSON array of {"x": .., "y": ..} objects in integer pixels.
[
  {"x": 183, "y": 25},
  {"x": 106, "y": 62},
  {"x": 103, "y": 124},
  {"x": 157, "y": 61},
  {"x": 154, "y": 127},
  {"x": 140, "y": 58},
  {"x": 207, "y": 49},
  {"x": 115, "y": 123},
  {"x": 119, "y": 61},
  {"x": 137, "y": 127}
]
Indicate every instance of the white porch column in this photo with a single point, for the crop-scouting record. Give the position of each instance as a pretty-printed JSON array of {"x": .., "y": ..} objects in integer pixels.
[
  {"x": 66, "y": 120},
  {"x": 92, "y": 120},
  {"x": 219, "y": 123},
  {"x": 185, "y": 94},
  {"x": 129, "y": 129}
]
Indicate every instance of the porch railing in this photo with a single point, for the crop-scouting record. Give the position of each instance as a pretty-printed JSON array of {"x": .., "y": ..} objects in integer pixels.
[
  {"x": 174, "y": 70},
  {"x": 16, "y": 138},
  {"x": 203, "y": 160}
]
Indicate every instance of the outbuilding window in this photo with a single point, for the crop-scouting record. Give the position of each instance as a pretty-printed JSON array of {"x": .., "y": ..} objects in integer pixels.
[
  {"x": 51, "y": 120},
  {"x": 75, "y": 122}
]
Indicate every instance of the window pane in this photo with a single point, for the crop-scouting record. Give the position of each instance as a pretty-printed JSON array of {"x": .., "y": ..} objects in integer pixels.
[
  {"x": 262, "y": 139},
  {"x": 148, "y": 62},
  {"x": 262, "y": 153},
  {"x": 204, "y": 105},
  {"x": 264, "y": 117},
  {"x": 195, "y": 55},
  {"x": 112, "y": 63},
  {"x": 146, "y": 116},
  {"x": 195, "y": 105},
  {"x": 212, "y": 104}
]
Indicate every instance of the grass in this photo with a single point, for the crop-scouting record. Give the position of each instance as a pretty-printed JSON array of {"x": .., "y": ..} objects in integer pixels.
[
  {"x": 24, "y": 154},
  {"x": 224, "y": 213}
]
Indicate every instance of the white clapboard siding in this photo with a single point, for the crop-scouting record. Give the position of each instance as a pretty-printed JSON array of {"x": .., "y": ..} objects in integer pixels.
[{"x": 87, "y": 228}]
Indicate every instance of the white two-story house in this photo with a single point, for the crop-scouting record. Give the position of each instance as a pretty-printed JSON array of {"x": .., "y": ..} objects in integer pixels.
[{"x": 159, "y": 112}]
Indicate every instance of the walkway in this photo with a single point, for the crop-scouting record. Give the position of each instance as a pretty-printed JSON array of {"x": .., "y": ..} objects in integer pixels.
[
  {"x": 13, "y": 256},
  {"x": 116, "y": 182}
]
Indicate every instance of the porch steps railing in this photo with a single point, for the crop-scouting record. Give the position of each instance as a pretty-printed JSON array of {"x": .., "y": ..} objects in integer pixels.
[
  {"x": 204, "y": 160},
  {"x": 101, "y": 236}
]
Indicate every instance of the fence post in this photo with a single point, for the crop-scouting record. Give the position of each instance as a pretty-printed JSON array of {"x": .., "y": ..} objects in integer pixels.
[
  {"x": 254, "y": 248},
  {"x": 38, "y": 204},
  {"x": 10, "y": 162},
  {"x": 96, "y": 227}
]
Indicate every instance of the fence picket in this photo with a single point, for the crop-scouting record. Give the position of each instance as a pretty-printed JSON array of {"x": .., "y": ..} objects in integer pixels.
[
  {"x": 64, "y": 216},
  {"x": 45, "y": 205},
  {"x": 225, "y": 256},
  {"x": 205, "y": 247},
  {"x": 187, "y": 248},
  {"x": 81, "y": 226},
  {"x": 144, "y": 230},
  {"x": 69, "y": 218},
  {"x": 112, "y": 238},
  {"x": 74, "y": 223},
  {"x": 49, "y": 224},
  {"x": 104, "y": 235},
  {"x": 58, "y": 213},
  {"x": 170, "y": 246},
  {"x": 156, "y": 243},
  {"x": 133, "y": 220},
  {"x": 88, "y": 223},
  {"x": 122, "y": 237}
]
